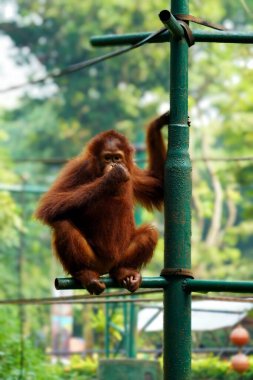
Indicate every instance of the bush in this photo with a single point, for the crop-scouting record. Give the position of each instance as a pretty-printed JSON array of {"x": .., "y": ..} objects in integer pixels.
[
  {"x": 81, "y": 369},
  {"x": 35, "y": 365},
  {"x": 213, "y": 368}
]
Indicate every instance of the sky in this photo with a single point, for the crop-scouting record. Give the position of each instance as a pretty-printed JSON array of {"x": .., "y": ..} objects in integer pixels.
[{"x": 12, "y": 74}]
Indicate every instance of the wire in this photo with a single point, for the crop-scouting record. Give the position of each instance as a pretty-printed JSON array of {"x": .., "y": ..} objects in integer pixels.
[
  {"x": 61, "y": 161},
  {"x": 80, "y": 301},
  {"x": 87, "y": 299},
  {"x": 65, "y": 299},
  {"x": 249, "y": 158},
  {"x": 246, "y": 8},
  {"x": 46, "y": 161},
  {"x": 56, "y": 73},
  {"x": 223, "y": 298}
]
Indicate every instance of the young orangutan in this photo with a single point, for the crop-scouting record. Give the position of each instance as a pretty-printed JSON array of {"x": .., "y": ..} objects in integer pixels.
[{"x": 90, "y": 209}]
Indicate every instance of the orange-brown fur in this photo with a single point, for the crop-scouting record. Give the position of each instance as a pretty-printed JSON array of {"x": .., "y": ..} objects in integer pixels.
[{"x": 90, "y": 209}]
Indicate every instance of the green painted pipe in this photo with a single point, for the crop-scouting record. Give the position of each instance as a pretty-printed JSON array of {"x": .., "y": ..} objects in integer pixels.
[
  {"x": 199, "y": 36},
  {"x": 177, "y": 208},
  {"x": 226, "y": 36},
  {"x": 132, "y": 330},
  {"x": 107, "y": 330},
  {"x": 188, "y": 285},
  {"x": 171, "y": 23},
  {"x": 126, "y": 39},
  {"x": 147, "y": 282},
  {"x": 126, "y": 328},
  {"x": 204, "y": 286}
]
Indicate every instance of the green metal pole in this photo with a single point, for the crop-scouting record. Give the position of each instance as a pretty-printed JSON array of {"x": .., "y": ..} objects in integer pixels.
[
  {"x": 107, "y": 330},
  {"x": 199, "y": 36},
  {"x": 177, "y": 302},
  {"x": 147, "y": 282},
  {"x": 126, "y": 328},
  {"x": 204, "y": 286},
  {"x": 132, "y": 330}
]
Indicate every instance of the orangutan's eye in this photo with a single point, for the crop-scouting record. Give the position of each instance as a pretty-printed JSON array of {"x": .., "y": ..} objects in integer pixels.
[{"x": 107, "y": 157}]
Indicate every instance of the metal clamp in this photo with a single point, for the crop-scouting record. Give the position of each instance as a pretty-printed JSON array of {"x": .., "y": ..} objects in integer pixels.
[
  {"x": 168, "y": 272},
  {"x": 187, "y": 33}
]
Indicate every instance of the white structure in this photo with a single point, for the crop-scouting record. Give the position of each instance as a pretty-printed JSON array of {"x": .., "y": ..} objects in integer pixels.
[{"x": 206, "y": 315}]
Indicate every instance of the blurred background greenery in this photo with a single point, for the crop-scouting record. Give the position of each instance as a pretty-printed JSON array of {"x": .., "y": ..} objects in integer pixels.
[{"x": 44, "y": 125}]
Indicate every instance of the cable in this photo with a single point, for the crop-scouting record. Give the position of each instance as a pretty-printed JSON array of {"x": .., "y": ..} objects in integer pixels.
[
  {"x": 87, "y": 299},
  {"x": 249, "y": 158},
  {"x": 90, "y": 301},
  {"x": 45, "y": 161},
  {"x": 56, "y": 73},
  {"x": 60, "y": 161},
  {"x": 223, "y": 298},
  {"x": 29, "y": 301},
  {"x": 246, "y": 8}
]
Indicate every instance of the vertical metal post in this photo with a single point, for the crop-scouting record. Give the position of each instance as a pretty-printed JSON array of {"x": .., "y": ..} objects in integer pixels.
[
  {"x": 20, "y": 264},
  {"x": 126, "y": 328},
  {"x": 107, "y": 330},
  {"x": 132, "y": 330},
  {"x": 177, "y": 303}
]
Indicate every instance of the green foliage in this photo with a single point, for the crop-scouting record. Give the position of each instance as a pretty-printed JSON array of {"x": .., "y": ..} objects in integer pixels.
[
  {"x": 10, "y": 221},
  {"x": 124, "y": 92},
  {"x": 80, "y": 97},
  {"x": 209, "y": 368},
  {"x": 34, "y": 366},
  {"x": 80, "y": 369},
  {"x": 213, "y": 368},
  {"x": 98, "y": 323}
]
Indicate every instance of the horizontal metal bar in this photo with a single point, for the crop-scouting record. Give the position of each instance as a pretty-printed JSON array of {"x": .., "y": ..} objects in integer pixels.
[
  {"x": 216, "y": 311},
  {"x": 199, "y": 36},
  {"x": 126, "y": 39},
  {"x": 228, "y": 37},
  {"x": 147, "y": 282},
  {"x": 190, "y": 285},
  {"x": 205, "y": 286}
]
